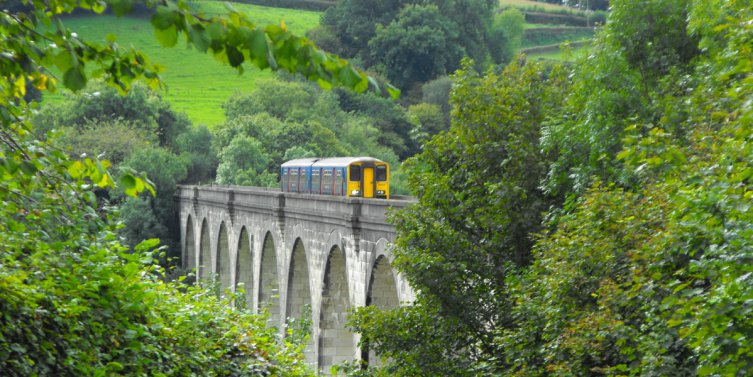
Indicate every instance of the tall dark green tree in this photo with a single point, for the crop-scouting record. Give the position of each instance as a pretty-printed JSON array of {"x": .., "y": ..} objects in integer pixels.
[
  {"x": 418, "y": 45},
  {"x": 411, "y": 41},
  {"x": 478, "y": 203}
]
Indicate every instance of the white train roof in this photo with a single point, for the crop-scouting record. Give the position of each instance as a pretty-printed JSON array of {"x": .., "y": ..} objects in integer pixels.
[{"x": 328, "y": 162}]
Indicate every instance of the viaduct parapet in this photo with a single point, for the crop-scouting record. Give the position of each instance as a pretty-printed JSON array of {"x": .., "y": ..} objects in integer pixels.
[{"x": 296, "y": 255}]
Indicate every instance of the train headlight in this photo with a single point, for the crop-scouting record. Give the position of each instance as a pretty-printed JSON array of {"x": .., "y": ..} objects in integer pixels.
[
  {"x": 355, "y": 193},
  {"x": 380, "y": 192}
]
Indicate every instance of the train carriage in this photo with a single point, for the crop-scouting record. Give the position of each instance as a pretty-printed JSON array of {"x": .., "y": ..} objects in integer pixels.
[{"x": 364, "y": 177}]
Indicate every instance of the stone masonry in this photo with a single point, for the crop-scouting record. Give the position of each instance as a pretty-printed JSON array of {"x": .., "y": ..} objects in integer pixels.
[{"x": 295, "y": 255}]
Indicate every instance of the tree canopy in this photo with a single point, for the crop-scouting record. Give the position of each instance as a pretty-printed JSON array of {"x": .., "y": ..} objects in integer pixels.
[
  {"x": 587, "y": 219},
  {"x": 75, "y": 299},
  {"x": 412, "y": 42}
]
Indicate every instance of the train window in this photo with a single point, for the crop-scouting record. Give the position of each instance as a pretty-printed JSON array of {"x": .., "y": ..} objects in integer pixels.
[
  {"x": 316, "y": 181},
  {"x": 381, "y": 173},
  {"x": 285, "y": 179},
  {"x": 304, "y": 187},
  {"x": 327, "y": 182},
  {"x": 338, "y": 182},
  {"x": 293, "y": 180},
  {"x": 355, "y": 173}
]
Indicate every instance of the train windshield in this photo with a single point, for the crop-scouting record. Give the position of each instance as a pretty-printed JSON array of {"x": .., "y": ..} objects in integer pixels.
[
  {"x": 381, "y": 173},
  {"x": 355, "y": 173}
]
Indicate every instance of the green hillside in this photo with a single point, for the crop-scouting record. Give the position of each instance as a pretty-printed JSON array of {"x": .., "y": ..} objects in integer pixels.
[{"x": 196, "y": 83}]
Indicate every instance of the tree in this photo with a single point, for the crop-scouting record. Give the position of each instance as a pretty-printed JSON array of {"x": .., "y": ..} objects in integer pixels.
[
  {"x": 418, "y": 45},
  {"x": 635, "y": 62},
  {"x": 100, "y": 105},
  {"x": 642, "y": 270},
  {"x": 75, "y": 301},
  {"x": 165, "y": 170},
  {"x": 195, "y": 147},
  {"x": 420, "y": 40},
  {"x": 244, "y": 162},
  {"x": 437, "y": 92},
  {"x": 478, "y": 204},
  {"x": 428, "y": 120},
  {"x": 506, "y": 35},
  {"x": 354, "y": 22},
  {"x": 114, "y": 140}
]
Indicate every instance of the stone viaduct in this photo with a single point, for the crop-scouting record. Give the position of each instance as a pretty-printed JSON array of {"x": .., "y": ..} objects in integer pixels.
[{"x": 295, "y": 255}]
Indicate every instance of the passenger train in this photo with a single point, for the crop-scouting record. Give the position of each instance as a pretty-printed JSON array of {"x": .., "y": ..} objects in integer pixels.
[{"x": 364, "y": 177}]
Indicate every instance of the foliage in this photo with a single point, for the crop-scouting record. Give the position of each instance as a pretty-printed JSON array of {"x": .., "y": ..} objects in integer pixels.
[
  {"x": 165, "y": 170},
  {"x": 630, "y": 70},
  {"x": 114, "y": 140},
  {"x": 428, "y": 120},
  {"x": 195, "y": 147},
  {"x": 294, "y": 118},
  {"x": 244, "y": 162},
  {"x": 407, "y": 354},
  {"x": 139, "y": 132},
  {"x": 198, "y": 93},
  {"x": 506, "y": 34},
  {"x": 413, "y": 41},
  {"x": 74, "y": 301},
  {"x": 141, "y": 109},
  {"x": 418, "y": 45},
  {"x": 640, "y": 264},
  {"x": 354, "y": 22},
  {"x": 478, "y": 197},
  {"x": 437, "y": 92}
]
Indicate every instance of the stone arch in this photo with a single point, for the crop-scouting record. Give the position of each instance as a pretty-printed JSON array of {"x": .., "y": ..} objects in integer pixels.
[
  {"x": 189, "y": 253},
  {"x": 244, "y": 267},
  {"x": 205, "y": 253},
  {"x": 269, "y": 286},
  {"x": 299, "y": 292},
  {"x": 223, "y": 258},
  {"x": 382, "y": 293},
  {"x": 335, "y": 340}
]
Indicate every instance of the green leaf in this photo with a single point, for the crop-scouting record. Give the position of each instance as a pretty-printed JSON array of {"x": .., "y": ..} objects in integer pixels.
[
  {"x": 164, "y": 18},
  {"x": 64, "y": 60},
  {"x": 148, "y": 244},
  {"x": 234, "y": 56},
  {"x": 258, "y": 47},
  {"x": 106, "y": 181},
  {"x": 76, "y": 169},
  {"x": 363, "y": 85},
  {"x": 127, "y": 181},
  {"x": 326, "y": 85},
  {"x": 350, "y": 77},
  {"x": 199, "y": 38},
  {"x": 74, "y": 78},
  {"x": 167, "y": 37},
  {"x": 28, "y": 168},
  {"x": 394, "y": 92}
]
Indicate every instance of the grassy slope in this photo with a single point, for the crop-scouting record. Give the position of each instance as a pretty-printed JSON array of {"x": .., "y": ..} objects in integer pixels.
[
  {"x": 539, "y": 6},
  {"x": 197, "y": 84}
]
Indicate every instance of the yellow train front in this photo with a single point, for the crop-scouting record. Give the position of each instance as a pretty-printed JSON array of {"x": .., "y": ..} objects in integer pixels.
[{"x": 364, "y": 177}]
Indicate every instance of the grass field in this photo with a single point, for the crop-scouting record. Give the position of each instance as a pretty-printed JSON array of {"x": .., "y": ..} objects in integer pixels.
[
  {"x": 529, "y": 4},
  {"x": 196, "y": 83},
  {"x": 556, "y": 53}
]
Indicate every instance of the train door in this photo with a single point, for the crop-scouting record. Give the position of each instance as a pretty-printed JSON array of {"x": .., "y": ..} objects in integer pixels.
[{"x": 368, "y": 181}]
